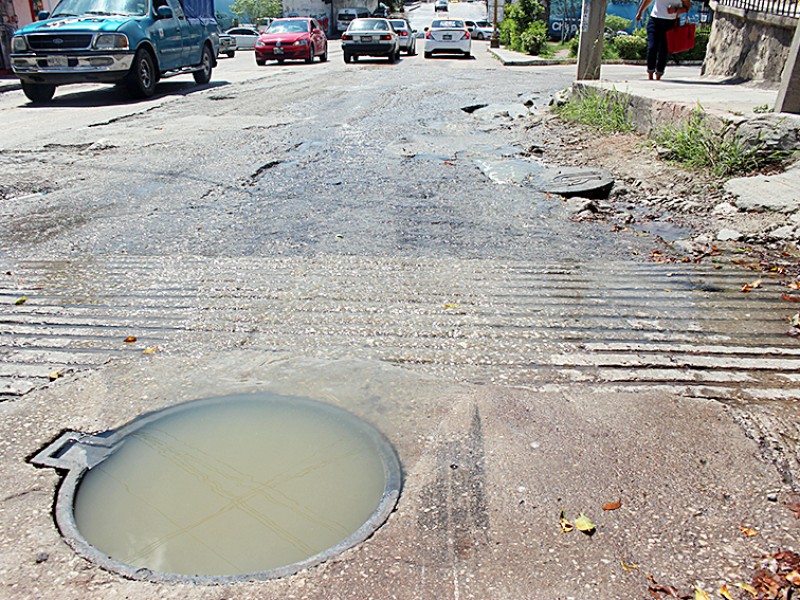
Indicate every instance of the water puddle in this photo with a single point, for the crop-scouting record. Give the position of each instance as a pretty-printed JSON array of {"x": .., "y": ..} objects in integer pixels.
[
  {"x": 508, "y": 170},
  {"x": 249, "y": 486}
]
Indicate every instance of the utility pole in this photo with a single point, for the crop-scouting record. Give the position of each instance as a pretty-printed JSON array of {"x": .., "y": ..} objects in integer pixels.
[
  {"x": 590, "y": 48},
  {"x": 495, "y": 41},
  {"x": 789, "y": 93}
]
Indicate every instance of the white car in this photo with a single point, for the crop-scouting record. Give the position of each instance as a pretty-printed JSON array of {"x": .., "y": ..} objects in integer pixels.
[
  {"x": 440, "y": 5},
  {"x": 448, "y": 36},
  {"x": 480, "y": 30},
  {"x": 245, "y": 37}
]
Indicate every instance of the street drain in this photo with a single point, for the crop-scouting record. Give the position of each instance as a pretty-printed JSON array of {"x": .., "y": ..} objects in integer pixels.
[{"x": 224, "y": 489}]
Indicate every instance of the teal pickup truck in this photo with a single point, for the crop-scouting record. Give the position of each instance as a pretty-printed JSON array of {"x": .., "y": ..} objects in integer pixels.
[{"x": 132, "y": 43}]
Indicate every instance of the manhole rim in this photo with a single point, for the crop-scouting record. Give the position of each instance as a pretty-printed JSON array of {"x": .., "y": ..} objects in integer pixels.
[{"x": 105, "y": 444}]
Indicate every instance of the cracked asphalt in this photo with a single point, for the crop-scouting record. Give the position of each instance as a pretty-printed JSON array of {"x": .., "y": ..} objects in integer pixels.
[{"x": 350, "y": 234}]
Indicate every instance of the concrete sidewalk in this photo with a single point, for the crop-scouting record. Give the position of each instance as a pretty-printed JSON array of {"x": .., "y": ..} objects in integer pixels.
[{"x": 682, "y": 90}]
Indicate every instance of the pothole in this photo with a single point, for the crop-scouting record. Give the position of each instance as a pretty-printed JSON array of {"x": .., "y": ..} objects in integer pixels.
[{"x": 224, "y": 489}]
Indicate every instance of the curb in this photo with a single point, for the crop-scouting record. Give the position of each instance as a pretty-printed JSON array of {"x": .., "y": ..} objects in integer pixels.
[{"x": 521, "y": 60}]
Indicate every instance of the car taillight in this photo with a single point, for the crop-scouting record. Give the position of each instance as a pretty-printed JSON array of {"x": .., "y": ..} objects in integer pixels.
[
  {"x": 386, "y": 36},
  {"x": 404, "y": 33},
  {"x": 466, "y": 35},
  {"x": 427, "y": 35},
  {"x": 347, "y": 36}
]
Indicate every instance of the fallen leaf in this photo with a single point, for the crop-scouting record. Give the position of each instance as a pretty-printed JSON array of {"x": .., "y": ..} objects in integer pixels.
[
  {"x": 130, "y": 339},
  {"x": 584, "y": 524},
  {"x": 794, "y": 285},
  {"x": 55, "y": 375},
  {"x": 629, "y": 566},
  {"x": 795, "y": 508},
  {"x": 747, "y": 588},
  {"x": 449, "y": 164},
  {"x": 794, "y": 578},
  {"x": 20, "y": 301},
  {"x": 613, "y": 505},
  {"x": 789, "y": 298},
  {"x": 451, "y": 305},
  {"x": 663, "y": 589},
  {"x": 748, "y": 532},
  {"x": 723, "y": 591},
  {"x": 794, "y": 320},
  {"x": 700, "y": 594},
  {"x": 566, "y": 526},
  {"x": 150, "y": 350}
]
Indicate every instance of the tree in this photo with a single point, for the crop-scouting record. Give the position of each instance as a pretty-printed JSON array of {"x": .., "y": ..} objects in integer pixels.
[{"x": 251, "y": 11}]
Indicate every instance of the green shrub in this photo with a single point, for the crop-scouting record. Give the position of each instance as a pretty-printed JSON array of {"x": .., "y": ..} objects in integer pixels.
[
  {"x": 517, "y": 20},
  {"x": 615, "y": 23},
  {"x": 630, "y": 47},
  {"x": 573, "y": 46},
  {"x": 609, "y": 51},
  {"x": 534, "y": 39}
]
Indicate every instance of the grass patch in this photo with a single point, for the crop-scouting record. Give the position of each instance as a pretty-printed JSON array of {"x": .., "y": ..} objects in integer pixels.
[
  {"x": 696, "y": 145},
  {"x": 607, "y": 111}
]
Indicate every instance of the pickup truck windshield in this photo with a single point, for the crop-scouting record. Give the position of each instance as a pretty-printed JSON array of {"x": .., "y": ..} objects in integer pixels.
[{"x": 72, "y": 8}]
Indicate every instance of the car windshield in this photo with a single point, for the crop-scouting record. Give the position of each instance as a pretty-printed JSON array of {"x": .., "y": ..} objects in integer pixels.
[
  {"x": 449, "y": 24},
  {"x": 483, "y": 24},
  {"x": 288, "y": 27},
  {"x": 73, "y": 8},
  {"x": 399, "y": 24},
  {"x": 369, "y": 25}
]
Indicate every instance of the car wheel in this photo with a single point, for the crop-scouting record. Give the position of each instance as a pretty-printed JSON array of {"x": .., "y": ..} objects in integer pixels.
[
  {"x": 428, "y": 55},
  {"x": 413, "y": 49},
  {"x": 324, "y": 56},
  {"x": 203, "y": 76},
  {"x": 141, "y": 80},
  {"x": 355, "y": 57},
  {"x": 39, "y": 93},
  {"x": 281, "y": 61},
  {"x": 347, "y": 57},
  {"x": 261, "y": 61},
  {"x": 310, "y": 57},
  {"x": 230, "y": 54}
]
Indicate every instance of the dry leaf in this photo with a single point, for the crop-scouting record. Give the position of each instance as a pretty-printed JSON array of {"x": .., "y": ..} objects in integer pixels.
[
  {"x": 789, "y": 298},
  {"x": 55, "y": 375},
  {"x": 584, "y": 524},
  {"x": 566, "y": 526},
  {"x": 700, "y": 594},
  {"x": 130, "y": 339},
  {"x": 723, "y": 591},
  {"x": 629, "y": 566},
  {"x": 794, "y": 578},
  {"x": 451, "y": 305},
  {"x": 449, "y": 164},
  {"x": 747, "y": 588},
  {"x": 795, "y": 508},
  {"x": 613, "y": 505},
  {"x": 150, "y": 350},
  {"x": 794, "y": 286},
  {"x": 751, "y": 286},
  {"x": 748, "y": 532},
  {"x": 20, "y": 301}
]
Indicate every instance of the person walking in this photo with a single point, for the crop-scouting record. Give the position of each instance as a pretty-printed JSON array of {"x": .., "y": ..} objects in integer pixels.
[{"x": 662, "y": 18}]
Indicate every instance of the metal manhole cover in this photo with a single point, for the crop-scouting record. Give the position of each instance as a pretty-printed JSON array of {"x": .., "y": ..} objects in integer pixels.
[
  {"x": 224, "y": 489},
  {"x": 576, "y": 181}
]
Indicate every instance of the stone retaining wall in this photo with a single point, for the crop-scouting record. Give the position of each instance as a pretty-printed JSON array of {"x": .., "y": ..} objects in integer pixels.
[{"x": 748, "y": 45}]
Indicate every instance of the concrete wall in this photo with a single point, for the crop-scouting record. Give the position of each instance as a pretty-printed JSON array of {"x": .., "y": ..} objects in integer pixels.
[{"x": 748, "y": 45}]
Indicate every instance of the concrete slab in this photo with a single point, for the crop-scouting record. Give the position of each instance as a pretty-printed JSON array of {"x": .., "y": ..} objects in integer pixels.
[
  {"x": 776, "y": 193},
  {"x": 488, "y": 470}
]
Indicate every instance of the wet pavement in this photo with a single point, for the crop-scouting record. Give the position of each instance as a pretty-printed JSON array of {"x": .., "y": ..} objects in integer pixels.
[{"x": 378, "y": 248}]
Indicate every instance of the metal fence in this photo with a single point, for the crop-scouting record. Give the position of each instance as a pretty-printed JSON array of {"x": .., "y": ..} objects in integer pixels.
[{"x": 784, "y": 8}]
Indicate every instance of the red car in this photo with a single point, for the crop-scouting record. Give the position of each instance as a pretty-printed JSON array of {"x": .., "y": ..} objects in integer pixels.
[{"x": 299, "y": 38}]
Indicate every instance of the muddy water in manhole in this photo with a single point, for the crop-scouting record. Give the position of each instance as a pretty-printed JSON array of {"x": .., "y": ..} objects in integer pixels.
[{"x": 235, "y": 485}]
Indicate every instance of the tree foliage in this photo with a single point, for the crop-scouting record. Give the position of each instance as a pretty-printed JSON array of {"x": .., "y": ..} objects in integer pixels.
[
  {"x": 252, "y": 11},
  {"x": 520, "y": 20}
]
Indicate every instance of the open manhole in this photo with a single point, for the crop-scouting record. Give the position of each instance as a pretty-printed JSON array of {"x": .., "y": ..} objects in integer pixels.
[{"x": 224, "y": 489}]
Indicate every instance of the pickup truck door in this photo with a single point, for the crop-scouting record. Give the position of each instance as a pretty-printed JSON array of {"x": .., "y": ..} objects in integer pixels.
[{"x": 169, "y": 36}]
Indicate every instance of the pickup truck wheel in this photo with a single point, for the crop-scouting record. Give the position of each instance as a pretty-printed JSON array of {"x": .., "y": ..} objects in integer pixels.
[
  {"x": 141, "y": 81},
  {"x": 231, "y": 54},
  {"x": 203, "y": 76},
  {"x": 39, "y": 93}
]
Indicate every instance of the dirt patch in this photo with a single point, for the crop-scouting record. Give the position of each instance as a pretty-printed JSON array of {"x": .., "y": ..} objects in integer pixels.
[{"x": 651, "y": 190}]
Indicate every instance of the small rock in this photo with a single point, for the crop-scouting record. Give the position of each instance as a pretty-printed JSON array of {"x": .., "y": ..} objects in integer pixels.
[
  {"x": 579, "y": 205},
  {"x": 772, "y": 496},
  {"x": 473, "y": 107},
  {"x": 724, "y": 208},
  {"x": 684, "y": 245},
  {"x": 42, "y": 557},
  {"x": 783, "y": 233},
  {"x": 729, "y": 235}
]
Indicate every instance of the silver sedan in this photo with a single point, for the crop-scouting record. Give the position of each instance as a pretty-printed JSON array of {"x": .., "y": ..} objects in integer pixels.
[{"x": 370, "y": 37}]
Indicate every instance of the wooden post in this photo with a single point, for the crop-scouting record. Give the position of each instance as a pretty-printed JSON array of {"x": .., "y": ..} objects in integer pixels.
[
  {"x": 789, "y": 93},
  {"x": 590, "y": 48}
]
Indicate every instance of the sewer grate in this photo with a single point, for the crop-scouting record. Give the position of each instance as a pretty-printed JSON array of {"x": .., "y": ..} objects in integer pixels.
[{"x": 243, "y": 487}]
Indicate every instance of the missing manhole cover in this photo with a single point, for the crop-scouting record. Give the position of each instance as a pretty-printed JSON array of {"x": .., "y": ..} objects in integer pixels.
[{"x": 224, "y": 489}]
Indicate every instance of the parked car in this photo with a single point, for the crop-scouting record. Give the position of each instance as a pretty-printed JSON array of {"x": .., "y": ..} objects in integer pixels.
[
  {"x": 370, "y": 37},
  {"x": 440, "y": 5},
  {"x": 227, "y": 45},
  {"x": 381, "y": 11},
  {"x": 447, "y": 36},
  {"x": 298, "y": 38},
  {"x": 245, "y": 37},
  {"x": 346, "y": 15},
  {"x": 405, "y": 35},
  {"x": 484, "y": 30},
  {"x": 115, "y": 41}
]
